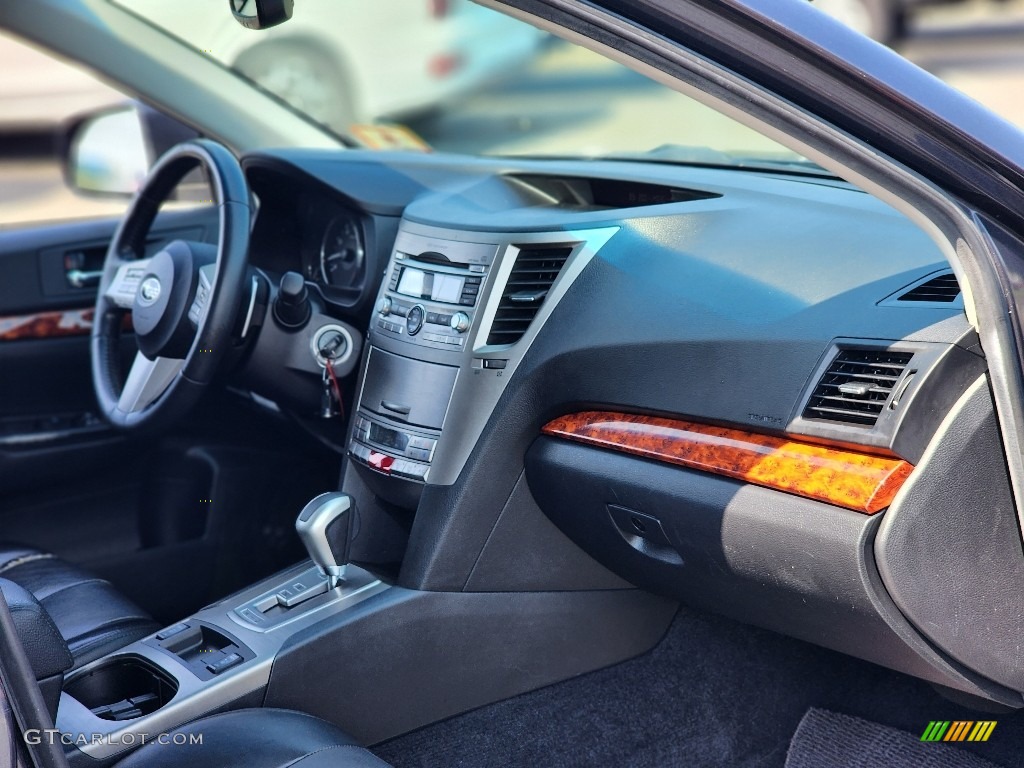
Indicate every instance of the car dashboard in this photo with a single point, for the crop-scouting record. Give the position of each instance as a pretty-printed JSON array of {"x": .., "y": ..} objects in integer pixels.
[{"x": 756, "y": 392}]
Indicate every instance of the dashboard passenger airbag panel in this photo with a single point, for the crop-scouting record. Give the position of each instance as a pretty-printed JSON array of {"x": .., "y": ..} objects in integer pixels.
[{"x": 789, "y": 564}]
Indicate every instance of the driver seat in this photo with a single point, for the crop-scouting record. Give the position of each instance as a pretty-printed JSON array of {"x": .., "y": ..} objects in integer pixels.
[{"x": 91, "y": 615}]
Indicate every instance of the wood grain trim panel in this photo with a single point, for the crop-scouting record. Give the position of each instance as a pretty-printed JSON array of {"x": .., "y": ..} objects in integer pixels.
[
  {"x": 46, "y": 325},
  {"x": 857, "y": 481}
]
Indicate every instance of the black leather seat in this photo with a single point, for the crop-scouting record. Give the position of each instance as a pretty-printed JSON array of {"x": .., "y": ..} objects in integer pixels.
[
  {"x": 92, "y": 616},
  {"x": 255, "y": 738}
]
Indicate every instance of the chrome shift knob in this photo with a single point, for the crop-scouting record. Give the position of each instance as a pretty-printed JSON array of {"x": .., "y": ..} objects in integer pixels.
[{"x": 323, "y": 527}]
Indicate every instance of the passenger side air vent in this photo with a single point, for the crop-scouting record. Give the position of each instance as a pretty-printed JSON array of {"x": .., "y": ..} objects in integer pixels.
[
  {"x": 856, "y": 386},
  {"x": 532, "y": 276},
  {"x": 942, "y": 289}
]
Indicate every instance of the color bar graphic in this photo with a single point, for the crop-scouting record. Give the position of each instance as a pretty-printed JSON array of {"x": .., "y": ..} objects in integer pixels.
[{"x": 959, "y": 730}]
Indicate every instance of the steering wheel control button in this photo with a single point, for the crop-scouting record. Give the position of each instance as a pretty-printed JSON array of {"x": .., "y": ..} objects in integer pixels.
[
  {"x": 224, "y": 663},
  {"x": 291, "y": 308},
  {"x": 203, "y": 290},
  {"x": 459, "y": 322},
  {"x": 414, "y": 321},
  {"x": 125, "y": 285}
]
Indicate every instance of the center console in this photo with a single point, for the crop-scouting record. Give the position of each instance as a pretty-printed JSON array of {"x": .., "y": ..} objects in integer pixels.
[
  {"x": 220, "y": 658},
  {"x": 455, "y": 314}
]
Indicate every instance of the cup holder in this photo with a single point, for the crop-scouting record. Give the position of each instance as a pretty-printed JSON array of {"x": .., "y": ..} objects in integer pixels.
[{"x": 123, "y": 689}]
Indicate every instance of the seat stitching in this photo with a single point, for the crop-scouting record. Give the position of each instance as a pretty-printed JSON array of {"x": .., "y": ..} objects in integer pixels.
[
  {"x": 24, "y": 559},
  {"x": 298, "y": 760}
]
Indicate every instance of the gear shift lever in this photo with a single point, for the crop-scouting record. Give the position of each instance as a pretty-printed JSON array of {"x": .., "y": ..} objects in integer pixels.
[{"x": 323, "y": 525}]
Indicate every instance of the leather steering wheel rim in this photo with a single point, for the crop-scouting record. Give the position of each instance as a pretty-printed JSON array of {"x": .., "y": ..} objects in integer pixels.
[{"x": 136, "y": 403}]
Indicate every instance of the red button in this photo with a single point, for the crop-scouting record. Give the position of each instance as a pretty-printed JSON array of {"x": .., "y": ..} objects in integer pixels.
[{"x": 381, "y": 461}]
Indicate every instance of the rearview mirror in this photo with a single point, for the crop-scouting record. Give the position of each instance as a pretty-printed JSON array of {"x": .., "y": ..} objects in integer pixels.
[{"x": 260, "y": 14}]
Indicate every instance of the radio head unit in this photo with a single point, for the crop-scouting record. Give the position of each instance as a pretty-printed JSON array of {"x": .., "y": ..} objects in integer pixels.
[{"x": 433, "y": 291}]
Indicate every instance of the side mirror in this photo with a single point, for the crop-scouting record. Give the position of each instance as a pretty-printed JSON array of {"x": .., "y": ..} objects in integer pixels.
[
  {"x": 108, "y": 153},
  {"x": 260, "y": 14},
  {"x": 105, "y": 153}
]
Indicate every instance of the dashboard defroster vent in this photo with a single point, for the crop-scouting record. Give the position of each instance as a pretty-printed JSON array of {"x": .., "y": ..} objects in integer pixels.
[
  {"x": 535, "y": 270},
  {"x": 942, "y": 289},
  {"x": 857, "y": 385}
]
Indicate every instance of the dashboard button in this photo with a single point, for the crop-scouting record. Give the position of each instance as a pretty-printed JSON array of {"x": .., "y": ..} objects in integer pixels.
[
  {"x": 414, "y": 320},
  {"x": 495, "y": 365},
  {"x": 459, "y": 322},
  {"x": 381, "y": 461},
  {"x": 223, "y": 663},
  {"x": 177, "y": 629},
  {"x": 425, "y": 443}
]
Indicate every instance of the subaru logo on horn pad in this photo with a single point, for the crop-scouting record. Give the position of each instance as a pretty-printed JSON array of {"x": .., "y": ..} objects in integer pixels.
[{"x": 149, "y": 291}]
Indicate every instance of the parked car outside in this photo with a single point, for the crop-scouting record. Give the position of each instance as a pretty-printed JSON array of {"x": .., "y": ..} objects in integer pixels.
[{"x": 331, "y": 63}]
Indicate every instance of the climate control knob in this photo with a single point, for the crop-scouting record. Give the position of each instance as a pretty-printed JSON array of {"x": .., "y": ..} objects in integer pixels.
[
  {"x": 384, "y": 307},
  {"x": 459, "y": 322}
]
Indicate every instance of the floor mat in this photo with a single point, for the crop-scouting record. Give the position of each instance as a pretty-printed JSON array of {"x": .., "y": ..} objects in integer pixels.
[
  {"x": 713, "y": 693},
  {"x": 829, "y": 740}
]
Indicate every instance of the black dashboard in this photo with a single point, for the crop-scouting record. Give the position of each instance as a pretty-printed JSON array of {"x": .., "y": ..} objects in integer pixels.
[{"x": 499, "y": 295}]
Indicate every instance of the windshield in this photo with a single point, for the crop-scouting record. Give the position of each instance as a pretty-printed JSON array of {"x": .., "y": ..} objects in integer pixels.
[{"x": 465, "y": 79}]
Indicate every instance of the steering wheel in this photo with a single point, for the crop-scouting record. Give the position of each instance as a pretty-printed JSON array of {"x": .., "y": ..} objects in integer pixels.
[{"x": 183, "y": 301}]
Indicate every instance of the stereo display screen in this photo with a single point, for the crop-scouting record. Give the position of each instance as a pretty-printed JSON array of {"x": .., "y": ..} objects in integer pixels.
[{"x": 430, "y": 285}]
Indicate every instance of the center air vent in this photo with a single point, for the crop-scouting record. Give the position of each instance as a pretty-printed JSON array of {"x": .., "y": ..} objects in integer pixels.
[
  {"x": 942, "y": 289},
  {"x": 532, "y": 276},
  {"x": 857, "y": 385}
]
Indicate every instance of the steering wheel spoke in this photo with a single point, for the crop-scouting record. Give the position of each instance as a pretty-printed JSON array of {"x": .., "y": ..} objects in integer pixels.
[
  {"x": 147, "y": 380},
  {"x": 122, "y": 289}
]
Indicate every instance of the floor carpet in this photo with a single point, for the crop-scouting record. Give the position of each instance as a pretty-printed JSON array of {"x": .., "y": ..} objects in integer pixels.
[{"x": 712, "y": 693}]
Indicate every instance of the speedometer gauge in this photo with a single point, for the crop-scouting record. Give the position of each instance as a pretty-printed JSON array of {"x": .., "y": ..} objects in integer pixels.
[{"x": 342, "y": 253}]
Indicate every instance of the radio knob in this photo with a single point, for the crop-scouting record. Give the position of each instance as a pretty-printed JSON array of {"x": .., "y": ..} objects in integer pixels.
[
  {"x": 459, "y": 322},
  {"x": 384, "y": 306},
  {"x": 414, "y": 320}
]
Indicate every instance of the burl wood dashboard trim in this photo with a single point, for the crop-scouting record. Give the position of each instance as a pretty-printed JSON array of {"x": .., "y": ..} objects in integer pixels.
[
  {"x": 46, "y": 325},
  {"x": 857, "y": 481}
]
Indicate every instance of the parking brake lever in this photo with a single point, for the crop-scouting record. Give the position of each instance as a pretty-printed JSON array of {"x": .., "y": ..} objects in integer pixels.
[{"x": 323, "y": 525}]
